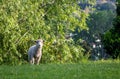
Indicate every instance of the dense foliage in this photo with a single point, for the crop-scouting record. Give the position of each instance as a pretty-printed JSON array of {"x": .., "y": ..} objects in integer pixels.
[
  {"x": 112, "y": 38},
  {"x": 100, "y": 20},
  {"x": 22, "y": 21}
]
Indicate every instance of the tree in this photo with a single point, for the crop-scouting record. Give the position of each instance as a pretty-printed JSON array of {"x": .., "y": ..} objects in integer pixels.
[
  {"x": 98, "y": 22},
  {"x": 22, "y": 21},
  {"x": 112, "y": 38}
]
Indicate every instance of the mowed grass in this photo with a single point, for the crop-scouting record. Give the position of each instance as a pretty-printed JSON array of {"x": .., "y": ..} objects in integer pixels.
[{"x": 86, "y": 70}]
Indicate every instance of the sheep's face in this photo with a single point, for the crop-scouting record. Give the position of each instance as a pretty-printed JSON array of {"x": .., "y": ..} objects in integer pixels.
[{"x": 39, "y": 43}]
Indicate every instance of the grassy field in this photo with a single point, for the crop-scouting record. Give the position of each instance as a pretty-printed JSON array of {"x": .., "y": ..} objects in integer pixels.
[{"x": 86, "y": 70}]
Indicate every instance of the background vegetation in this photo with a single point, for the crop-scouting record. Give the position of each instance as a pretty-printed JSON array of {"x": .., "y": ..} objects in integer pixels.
[
  {"x": 23, "y": 21},
  {"x": 112, "y": 37},
  {"x": 69, "y": 29}
]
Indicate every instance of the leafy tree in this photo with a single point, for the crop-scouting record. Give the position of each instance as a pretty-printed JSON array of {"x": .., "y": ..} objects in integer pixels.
[
  {"x": 22, "y": 21},
  {"x": 99, "y": 22},
  {"x": 112, "y": 38}
]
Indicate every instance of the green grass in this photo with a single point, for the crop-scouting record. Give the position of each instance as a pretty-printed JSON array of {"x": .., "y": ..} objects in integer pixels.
[{"x": 86, "y": 70}]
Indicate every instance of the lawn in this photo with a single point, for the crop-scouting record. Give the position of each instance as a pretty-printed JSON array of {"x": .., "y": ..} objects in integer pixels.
[{"x": 83, "y": 70}]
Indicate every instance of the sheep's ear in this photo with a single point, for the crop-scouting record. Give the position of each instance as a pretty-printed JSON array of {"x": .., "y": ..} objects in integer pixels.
[{"x": 43, "y": 41}]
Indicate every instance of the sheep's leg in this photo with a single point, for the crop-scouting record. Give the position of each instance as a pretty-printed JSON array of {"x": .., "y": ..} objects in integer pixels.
[
  {"x": 38, "y": 60},
  {"x": 32, "y": 61}
]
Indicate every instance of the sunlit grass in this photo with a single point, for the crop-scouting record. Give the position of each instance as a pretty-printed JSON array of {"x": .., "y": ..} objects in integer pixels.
[{"x": 84, "y": 70}]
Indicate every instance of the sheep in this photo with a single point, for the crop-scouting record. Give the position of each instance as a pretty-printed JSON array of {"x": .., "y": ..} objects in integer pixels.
[{"x": 35, "y": 52}]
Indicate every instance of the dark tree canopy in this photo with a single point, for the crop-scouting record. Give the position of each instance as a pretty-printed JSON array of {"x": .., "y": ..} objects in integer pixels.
[{"x": 112, "y": 37}]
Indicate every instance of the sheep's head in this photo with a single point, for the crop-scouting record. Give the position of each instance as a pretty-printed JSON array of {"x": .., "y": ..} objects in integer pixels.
[{"x": 39, "y": 43}]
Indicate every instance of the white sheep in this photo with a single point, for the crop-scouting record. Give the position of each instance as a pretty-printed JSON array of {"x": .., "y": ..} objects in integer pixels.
[{"x": 35, "y": 52}]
